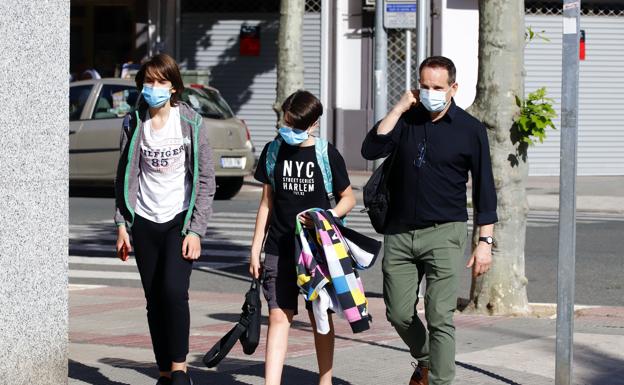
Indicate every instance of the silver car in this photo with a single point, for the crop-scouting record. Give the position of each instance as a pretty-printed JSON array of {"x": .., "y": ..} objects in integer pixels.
[{"x": 96, "y": 111}]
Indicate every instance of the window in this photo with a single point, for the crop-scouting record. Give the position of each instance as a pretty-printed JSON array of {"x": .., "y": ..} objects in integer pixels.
[
  {"x": 115, "y": 101},
  {"x": 207, "y": 103},
  {"x": 78, "y": 96}
]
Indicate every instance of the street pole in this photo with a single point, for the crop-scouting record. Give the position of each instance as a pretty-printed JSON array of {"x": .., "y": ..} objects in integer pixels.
[
  {"x": 422, "y": 27},
  {"x": 567, "y": 193},
  {"x": 325, "y": 45},
  {"x": 408, "y": 59},
  {"x": 381, "y": 68}
]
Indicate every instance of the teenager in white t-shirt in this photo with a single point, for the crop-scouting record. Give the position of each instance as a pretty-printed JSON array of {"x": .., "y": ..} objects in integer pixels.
[{"x": 164, "y": 190}]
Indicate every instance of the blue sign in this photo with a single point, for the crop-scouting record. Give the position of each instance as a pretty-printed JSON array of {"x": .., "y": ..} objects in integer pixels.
[
  {"x": 400, "y": 14},
  {"x": 401, "y": 8}
]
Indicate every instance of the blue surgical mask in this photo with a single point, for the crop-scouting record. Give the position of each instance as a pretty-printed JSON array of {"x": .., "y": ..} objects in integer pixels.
[
  {"x": 292, "y": 136},
  {"x": 155, "y": 96},
  {"x": 434, "y": 101}
]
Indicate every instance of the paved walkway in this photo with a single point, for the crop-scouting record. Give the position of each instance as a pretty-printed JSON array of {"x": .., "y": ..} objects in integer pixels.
[{"x": 110, "y": 345}]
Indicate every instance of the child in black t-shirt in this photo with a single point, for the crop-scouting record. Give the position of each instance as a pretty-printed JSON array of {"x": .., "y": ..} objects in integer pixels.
[{"x": 295, "y": 184}]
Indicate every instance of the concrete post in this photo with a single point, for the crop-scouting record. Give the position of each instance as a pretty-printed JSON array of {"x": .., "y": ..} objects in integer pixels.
[
  {"x": 567, "y": 192},
  {"x": 34, "y": 73}
]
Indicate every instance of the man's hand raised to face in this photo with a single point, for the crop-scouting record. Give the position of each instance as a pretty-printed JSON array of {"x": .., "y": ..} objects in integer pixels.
[{"x": 408, "y": 100}]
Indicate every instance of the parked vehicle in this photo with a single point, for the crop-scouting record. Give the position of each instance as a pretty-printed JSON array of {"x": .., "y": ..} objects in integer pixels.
[{"x": 96, "y": 111}]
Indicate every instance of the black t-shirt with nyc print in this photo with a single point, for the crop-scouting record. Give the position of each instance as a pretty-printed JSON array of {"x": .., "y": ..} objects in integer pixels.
[{"x": 298, "y": 187}]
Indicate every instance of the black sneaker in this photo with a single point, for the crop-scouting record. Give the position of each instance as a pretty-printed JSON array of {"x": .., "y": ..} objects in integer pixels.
[
  {"x": 180, "y": 377},
  {"x": 163, "y": 381}
]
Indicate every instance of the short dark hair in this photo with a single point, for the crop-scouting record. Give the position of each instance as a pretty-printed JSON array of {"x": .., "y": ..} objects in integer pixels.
[
  {"x": 302, "y": 109},
  {"x": 440, "y": 62},
  {"x": 161, "y": 67}
]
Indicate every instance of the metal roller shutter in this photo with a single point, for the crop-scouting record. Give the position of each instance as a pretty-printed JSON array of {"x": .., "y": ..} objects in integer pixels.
[
  {"x": 210, "y": 40},
  {"x": 601, "y": 102}
]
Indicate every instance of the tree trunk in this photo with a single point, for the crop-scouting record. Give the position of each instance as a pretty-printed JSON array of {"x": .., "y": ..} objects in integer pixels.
[
  {"x": 501, "y": 77},
  {"x": 290, "y": 51}
]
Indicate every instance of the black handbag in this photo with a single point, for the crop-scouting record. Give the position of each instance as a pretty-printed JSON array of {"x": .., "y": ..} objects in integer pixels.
[
  {"x": 247, "y": 330},
  {"x": 376, "y": 194}
]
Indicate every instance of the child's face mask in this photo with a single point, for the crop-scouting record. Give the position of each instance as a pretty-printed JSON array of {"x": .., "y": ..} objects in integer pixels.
[{"x": 293, "y": 136}]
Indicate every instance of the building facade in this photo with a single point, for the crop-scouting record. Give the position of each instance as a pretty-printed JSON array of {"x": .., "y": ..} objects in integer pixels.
[{"x": 338, "y": 62}]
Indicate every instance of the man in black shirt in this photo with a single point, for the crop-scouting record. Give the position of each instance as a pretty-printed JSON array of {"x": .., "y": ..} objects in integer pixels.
[{"x": 437, "y": 144}]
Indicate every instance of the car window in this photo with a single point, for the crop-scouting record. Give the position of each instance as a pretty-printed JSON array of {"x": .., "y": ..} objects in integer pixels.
[
  {"x": 78, "y": 96},
  {"x": 207, "y": 103},
  {"x": 115, "y": 101}
]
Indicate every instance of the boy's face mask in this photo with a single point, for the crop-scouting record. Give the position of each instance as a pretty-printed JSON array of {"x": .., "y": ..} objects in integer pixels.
[{"x": 293, "y": 136}]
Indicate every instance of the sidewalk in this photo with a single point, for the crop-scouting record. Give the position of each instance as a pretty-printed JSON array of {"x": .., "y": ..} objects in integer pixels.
[{"x": 110, "y": 345}]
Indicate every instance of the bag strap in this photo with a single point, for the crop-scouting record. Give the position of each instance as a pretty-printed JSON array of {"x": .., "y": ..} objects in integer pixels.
[
  {"x": 271, "y": 159},
  {"x": 227, "y": 342},
  {"x": 223, "y": 347},
  {"x": 322, "y": 158},
  {"x": 388, "y": 170}
]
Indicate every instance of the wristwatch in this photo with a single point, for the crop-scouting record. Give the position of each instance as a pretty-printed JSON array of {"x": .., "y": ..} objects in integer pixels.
[{"x": 489, "y": 240}]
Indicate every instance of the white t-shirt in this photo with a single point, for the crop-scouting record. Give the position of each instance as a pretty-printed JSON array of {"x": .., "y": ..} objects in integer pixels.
[{"x": 164, "y": 187}]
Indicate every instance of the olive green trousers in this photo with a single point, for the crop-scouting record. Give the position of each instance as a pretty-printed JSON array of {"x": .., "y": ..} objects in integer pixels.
[{"x": 436, "y": 253}]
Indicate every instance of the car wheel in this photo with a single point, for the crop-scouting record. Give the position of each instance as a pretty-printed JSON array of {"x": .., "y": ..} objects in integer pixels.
[{"x": 227, "y": 187}]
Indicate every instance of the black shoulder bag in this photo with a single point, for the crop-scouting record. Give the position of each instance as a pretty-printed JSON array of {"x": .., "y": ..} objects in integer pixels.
[
  {"x": 377, "y": 195},
  {"x": 247, "y": 330}
]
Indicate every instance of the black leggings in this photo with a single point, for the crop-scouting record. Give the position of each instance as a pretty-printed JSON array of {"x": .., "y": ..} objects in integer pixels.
[{"x": 165, "y": 276}]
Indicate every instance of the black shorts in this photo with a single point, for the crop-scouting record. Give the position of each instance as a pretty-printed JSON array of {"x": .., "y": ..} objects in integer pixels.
[{"x": 280, "y": 283}]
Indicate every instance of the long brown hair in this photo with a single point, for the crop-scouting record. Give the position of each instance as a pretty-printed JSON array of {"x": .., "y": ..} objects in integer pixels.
[{"x": 161, "y": 67}]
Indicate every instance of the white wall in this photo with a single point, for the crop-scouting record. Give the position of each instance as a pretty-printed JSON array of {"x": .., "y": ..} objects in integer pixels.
[
  {"x": 348, "y": 80},
  {"x": 456, "y": 36},
  {"x": 34, "y": 191}
]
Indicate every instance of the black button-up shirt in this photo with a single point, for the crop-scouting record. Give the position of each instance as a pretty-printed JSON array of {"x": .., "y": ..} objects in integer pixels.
[{"x": 430, "y": 171}]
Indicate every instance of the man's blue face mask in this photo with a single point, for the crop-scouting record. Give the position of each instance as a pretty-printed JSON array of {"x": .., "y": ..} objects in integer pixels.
[
  {"x": 433, "y": 100},
  {"x": 293, "y": 136}
]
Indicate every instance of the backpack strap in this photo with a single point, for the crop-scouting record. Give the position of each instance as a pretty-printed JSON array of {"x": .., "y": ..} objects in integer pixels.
[
  {"x": 126, "y": 121},
  {"x": 271, "y": 159},
  {"x": 322, "y": 158}
]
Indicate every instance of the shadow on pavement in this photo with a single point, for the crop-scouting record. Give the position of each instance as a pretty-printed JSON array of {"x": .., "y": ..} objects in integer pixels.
[
  {"x": 98, "y": 240},
  {"x": 89, "y": 374},
  {"x": 611, "y": 368},
  {"x": 486, "y": 373}
]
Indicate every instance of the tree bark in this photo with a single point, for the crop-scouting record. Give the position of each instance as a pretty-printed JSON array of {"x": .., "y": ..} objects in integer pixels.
[
  {"x": 501, "y": 78},
  {"x": 290, "y": 51}
]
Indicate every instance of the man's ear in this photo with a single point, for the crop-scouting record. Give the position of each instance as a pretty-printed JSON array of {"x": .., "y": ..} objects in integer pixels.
[{"x": 454, "y": 89}]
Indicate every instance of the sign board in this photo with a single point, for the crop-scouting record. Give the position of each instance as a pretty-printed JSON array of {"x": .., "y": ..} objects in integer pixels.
[
  {"x": 582, "y": 45},
  {"x": 400, "y": 14},
  {"x": 249, "y": 40}
]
